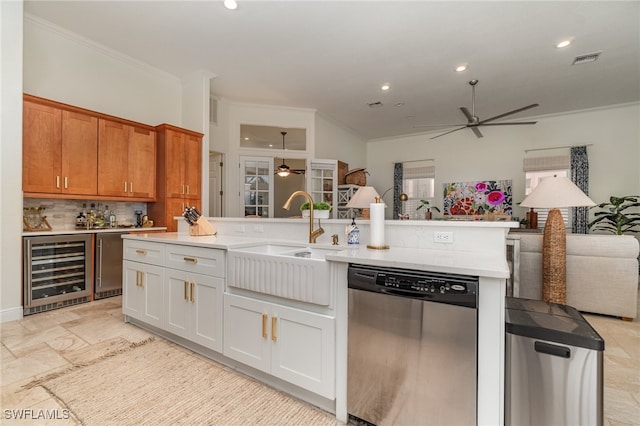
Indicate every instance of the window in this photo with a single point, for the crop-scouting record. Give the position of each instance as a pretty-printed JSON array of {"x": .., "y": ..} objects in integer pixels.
[
  {"x": 418, "y": 182},
  {"x": 540, "y": 168}
]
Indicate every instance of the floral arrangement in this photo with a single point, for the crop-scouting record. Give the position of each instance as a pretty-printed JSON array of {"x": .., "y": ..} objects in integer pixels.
[{"x": 477, "y": 198}]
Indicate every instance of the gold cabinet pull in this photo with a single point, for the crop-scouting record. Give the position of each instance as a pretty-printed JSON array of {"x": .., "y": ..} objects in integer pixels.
[
  {"x": 57, "y": 181},
  {"x": 140, "y": 251},
  {"x": 274, "y": 320},
  {"x": 182, "y": 189},
  {"x": 131, "y": 187},
  {"x": 264, "y": 326},
  {"x": 190, "y": 259},
  {"x": 125, "y": 187},
  {"x": 187, "y": 189},
  {"x": 193, "y": 290},
  {"x": 66, "y": 182},
  {"x": 186, "y": 285},
  {"x": 139, "y": 279}
]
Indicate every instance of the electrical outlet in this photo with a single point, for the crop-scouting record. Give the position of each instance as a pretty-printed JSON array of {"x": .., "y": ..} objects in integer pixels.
[
  {"x": 443, "y": 237},
  {"x": 240, "y": 229},
  {"x": 258, "y": 228}
]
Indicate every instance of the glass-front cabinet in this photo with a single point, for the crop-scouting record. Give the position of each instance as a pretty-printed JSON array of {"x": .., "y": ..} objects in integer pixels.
[
  {"x": 56, "y": 271},
  {"x": 322, "y": 182},
  {"x": 257, "y": 176}
]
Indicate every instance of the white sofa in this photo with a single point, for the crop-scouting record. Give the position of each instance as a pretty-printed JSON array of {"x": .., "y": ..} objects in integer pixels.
[{"x": 602, "y": 272}]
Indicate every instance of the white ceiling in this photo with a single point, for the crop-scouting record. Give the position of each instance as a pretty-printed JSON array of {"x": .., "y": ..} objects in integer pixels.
[{"x": 334, "y": 55}]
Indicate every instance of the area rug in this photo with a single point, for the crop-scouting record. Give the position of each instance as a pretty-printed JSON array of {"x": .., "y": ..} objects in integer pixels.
[{"x": 160, "y": 383}]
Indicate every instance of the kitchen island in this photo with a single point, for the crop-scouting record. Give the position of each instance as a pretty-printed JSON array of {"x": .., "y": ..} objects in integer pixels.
[{"x": 477, "y": 249}]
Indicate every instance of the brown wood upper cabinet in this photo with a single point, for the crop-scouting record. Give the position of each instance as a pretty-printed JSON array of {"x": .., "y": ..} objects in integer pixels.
[
  {"x": 179, "y": 174},
  {"x": 183, "y": 162},
  {"x": 59, "y": 150},
  {"x": 126, "y": 160}
]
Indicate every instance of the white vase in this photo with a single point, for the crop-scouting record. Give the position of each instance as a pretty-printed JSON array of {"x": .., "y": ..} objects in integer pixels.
[{"x": 317, "y": 214}]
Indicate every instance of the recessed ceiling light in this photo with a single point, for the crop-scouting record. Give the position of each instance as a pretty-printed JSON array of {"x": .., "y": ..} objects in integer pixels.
[
  {"x": 563, "y": 43},
  {"x": 461, "y": 68},
  {"x": 246, "y": 138},
  {"x": 230, "y": 4},
  {"x": 385, "y": 87}
]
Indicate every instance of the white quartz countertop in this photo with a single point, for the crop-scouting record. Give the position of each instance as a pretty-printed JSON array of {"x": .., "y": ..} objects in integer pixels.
[
  {"x": 91, "y": 231},
  {"x": 448, "y": 261}
]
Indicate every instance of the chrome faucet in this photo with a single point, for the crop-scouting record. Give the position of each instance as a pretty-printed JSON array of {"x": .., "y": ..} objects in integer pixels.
[{"x": 313, "y": 233}]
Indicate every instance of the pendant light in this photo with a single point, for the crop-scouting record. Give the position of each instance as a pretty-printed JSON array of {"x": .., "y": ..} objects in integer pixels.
[{"x": 283, "y": 169}]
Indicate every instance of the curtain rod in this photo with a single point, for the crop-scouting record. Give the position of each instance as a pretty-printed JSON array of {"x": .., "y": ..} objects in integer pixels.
[
  {"x": 414, "y": 161},
  {"x": 555, "y": 147}
]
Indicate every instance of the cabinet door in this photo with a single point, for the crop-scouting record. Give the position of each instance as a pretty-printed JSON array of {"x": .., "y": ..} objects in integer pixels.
[
  {"x": 175, "y": 158},
  {"x": 113, "y": 153},
  {"x": 323, "y": 182},
  {"x": 79, "y": 166},
  {"x": 207, "y": 308},
  {"x": 246, "y": 331},
  {"x": 41, "y": 148},
  {"x": 303, "y": 349},
  {"x": 142, "y": 292},
  {"x": 193, "y": 167},
  {"x": 177, "y": 294},
  {"x": 175, "y": 207},
  {"x": 142, "y": 163}
]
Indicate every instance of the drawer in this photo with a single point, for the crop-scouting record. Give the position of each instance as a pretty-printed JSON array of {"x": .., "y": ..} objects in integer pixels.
[
  {"x": 204, "y": 261},
  {"x": 144, "y": 252}
]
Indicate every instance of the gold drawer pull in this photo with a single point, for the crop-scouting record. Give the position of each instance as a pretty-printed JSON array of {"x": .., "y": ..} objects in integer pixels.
[
  {"x": 66, "y": 182},
  {"x": 190, "y": 259},
  {"x": 264, "y": 326},
  {"x": 141, "y": 251},
  {"x": 274, "y": 320}
]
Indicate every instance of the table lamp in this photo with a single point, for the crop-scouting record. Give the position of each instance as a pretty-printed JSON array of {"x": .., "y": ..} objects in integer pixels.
[
  {"x": 362, "y": 199},
  {"x": 554, "y": 193}
]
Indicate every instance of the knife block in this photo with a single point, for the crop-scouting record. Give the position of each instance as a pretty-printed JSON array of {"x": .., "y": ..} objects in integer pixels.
[{"x": 201, "y": 227}]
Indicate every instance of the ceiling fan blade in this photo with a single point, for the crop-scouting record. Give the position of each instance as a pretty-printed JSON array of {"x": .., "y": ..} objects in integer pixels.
[
  {"x": 418, "y": 126},
  {"x": 476, "y": 131},
  {"x": 509, "y": 113},
  {"x": 467, "y": 113},
  {"x": 450, "y": 131},
  {"x": 515, "y": 123}
]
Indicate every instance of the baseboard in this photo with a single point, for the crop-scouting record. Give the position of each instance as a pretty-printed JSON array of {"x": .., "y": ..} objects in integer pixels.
[{"x": 11, "y": 314}]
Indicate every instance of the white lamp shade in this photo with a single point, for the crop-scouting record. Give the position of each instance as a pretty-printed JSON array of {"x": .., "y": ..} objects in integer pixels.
[
  {"x": 556, "y": 192},
  {"x": 364, "y": 196}
]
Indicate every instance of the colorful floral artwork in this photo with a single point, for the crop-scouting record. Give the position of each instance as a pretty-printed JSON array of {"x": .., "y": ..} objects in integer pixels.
[{"x": 477, "y": 198}]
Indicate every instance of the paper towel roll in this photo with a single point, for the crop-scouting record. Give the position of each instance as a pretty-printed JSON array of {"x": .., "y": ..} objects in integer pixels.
[{"x": 377, "y": 225}]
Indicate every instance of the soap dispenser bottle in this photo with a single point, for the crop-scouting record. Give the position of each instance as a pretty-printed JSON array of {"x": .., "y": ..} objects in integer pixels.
[{"x": 353, "y": 233}]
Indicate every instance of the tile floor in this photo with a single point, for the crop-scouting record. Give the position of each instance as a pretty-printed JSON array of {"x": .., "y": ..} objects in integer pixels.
[{"x": 46, "y": 342}]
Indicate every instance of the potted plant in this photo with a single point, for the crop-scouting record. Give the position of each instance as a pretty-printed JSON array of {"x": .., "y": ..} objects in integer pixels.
[
  {"x": 615, "y": 217},
  {"x": 428, "y": 207},
  {"x": 321, "y": 210}
]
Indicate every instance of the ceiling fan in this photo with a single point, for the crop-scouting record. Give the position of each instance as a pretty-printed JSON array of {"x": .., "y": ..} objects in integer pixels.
[
  {"x": 473, "y": 122},
  {"x": 283, "y": 170}
]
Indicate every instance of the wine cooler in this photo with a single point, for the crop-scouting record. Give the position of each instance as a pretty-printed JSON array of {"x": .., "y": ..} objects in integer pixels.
[{"x": 57, "y": 271}]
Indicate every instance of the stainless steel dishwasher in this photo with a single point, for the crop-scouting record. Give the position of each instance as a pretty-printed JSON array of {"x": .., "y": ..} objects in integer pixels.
[
  {"x": 412, "y": 347},
  {"x": 108, "y": 265}
]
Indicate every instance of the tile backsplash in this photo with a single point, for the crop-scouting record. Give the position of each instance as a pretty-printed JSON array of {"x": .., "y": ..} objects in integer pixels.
[{"x": 61, "y": 214}]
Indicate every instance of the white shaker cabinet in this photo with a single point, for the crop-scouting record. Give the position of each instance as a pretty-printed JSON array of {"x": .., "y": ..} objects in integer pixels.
[
  {"x": 142, "y": 292},
  {"x": 292, "y": 344},
  {"x": 193, "y": 312}
]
